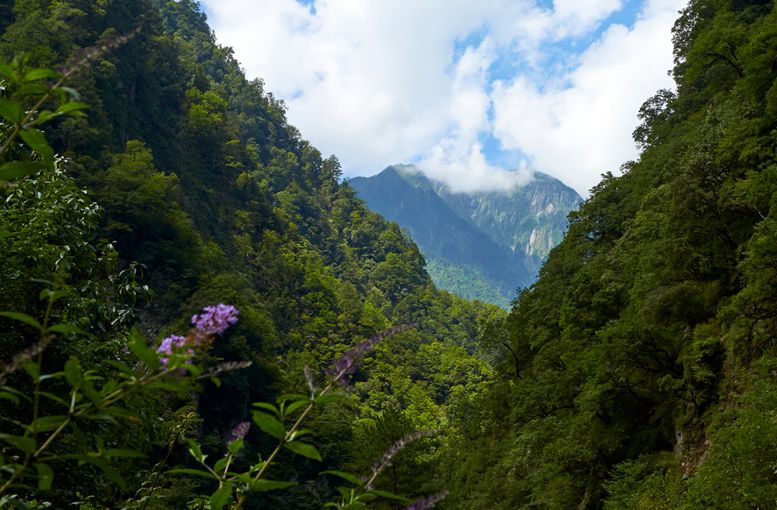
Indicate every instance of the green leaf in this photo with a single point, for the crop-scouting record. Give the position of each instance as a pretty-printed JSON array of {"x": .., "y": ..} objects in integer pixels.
[
  {"x": 44, "y": 116},
  {"x": 25, "y": 444},
  {"x": 9, "y": 73},
  {"x": 89, "y": 389},
  {"x": 11, "y": 111},
  {"x": 52, "y": 295},
  {"x": 55, "y": 375},
  {"x": 71, "y": 92},
  {"x": 32, "y": 369},
  {"x": 39, "y": 74},
  {"x": 347, "y": 493},
  {"x": 246, "y": 477},
  {"x": 47, "y": 423},
  {"x": 193, "y": 472},
  {"x": 269, "y": 407},
  {"x": 22, "y": 317},
  {"x": 332, "y": 397},
  {"x": 345, "y": 476},
  {"x": 9, "y": 396},
  {"x": 146, "y": 354},
  {"x": 66, "y": 328},
  {"x": 291, "y": 396},
  {"x": 304, "y": 449},
  {"x": 31, "y": 89},
  {"x": 296, "y": 405},
  {"x": 16, "y": 392},
  {"x": 54, "y": 398},
  {"x": 263, "y": 485},
  {"x": 196, "y": 451},
  {"x": 45, "y": 476},
  {"x": 69, "y": 107},
  {"x": 269, "y": 424},
  {"x": 221, "y": 497},
  {"x": 73, "y": 372},
  {"x": 235, "y": 446},
  {"x": 220, "y": 464},
  {"x": 18, "y": 169},
  {"x": 299, "y": 433},
  {"x": 36, "y": 140}
]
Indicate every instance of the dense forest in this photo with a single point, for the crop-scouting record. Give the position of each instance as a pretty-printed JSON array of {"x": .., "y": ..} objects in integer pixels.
[
  {"x": 182, "y": 186},
  {"x": 640, "y": 371},
  {"x": 143, "y": 178}
]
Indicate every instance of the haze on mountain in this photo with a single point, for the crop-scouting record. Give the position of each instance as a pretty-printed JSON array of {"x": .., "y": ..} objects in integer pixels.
[{"x": 479, "y": 244}]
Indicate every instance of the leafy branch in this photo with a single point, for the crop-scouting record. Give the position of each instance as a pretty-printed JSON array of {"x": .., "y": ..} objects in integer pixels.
[
  {"x": 90, "y": 396},
  {"x": 23, "y": 94}
]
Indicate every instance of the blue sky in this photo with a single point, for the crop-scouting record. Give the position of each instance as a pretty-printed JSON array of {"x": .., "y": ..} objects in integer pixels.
[{"x": 477, "y": 94}]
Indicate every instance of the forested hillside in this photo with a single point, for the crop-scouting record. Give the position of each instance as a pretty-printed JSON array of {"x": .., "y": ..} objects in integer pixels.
[
  {"x": 183, "y": 186},
  {"x": 640, "y": 371}
]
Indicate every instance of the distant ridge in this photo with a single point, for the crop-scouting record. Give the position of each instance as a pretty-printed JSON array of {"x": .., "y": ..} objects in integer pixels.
[{"x": 479, "y": 245}]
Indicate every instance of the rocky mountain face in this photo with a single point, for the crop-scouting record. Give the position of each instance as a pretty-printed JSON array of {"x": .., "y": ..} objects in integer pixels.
[{"x": 480, "y": 245}]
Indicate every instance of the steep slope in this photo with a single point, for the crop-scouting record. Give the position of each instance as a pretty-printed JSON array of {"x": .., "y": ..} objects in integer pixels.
[
  {"x": 638, "y": 372},
  {"x": 531, "y": 218},
  {"x": 480, "y": 245},
  {"x": 446, "y": 240},
  {"x": 200, "y": 178}
]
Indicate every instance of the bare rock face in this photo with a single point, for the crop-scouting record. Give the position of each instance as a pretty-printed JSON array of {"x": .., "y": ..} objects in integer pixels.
[{"x": 480, "y": 245}]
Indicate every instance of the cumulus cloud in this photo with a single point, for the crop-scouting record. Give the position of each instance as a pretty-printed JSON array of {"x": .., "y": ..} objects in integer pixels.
[
  {"x": 575, "y": 17},
  {"x": 468, "y": 170},
  {"x": 457, "y": 159},
  {"x": 579, "y": 131},
  {"x": 378, "y": 83}
]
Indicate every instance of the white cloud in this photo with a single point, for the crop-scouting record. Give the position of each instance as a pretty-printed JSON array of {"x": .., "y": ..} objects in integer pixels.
[
  {"x": 458, "y": 158},
  {"x": 378, "y": 82},
  {"x": 468, "y": 170},
  {"x": 580, "y": 131},
  {"x": 575, "y": 17}
]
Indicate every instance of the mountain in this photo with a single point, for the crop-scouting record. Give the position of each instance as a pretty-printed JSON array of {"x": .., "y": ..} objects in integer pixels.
[{"x": 479, "y": 245}]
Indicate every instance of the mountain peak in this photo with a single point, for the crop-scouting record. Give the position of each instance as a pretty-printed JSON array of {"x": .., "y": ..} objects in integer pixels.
[{"x": 481, "y": 244}]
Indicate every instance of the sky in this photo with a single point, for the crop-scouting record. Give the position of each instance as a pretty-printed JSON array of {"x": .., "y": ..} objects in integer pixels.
[{"x": 476, "y": 93}]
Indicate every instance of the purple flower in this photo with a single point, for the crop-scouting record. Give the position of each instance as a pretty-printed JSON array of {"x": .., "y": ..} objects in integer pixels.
[
  {"x": 215, "y": 319},
  {"x": 240, "y": 431},
  {"x": 168, "y": 344}
]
